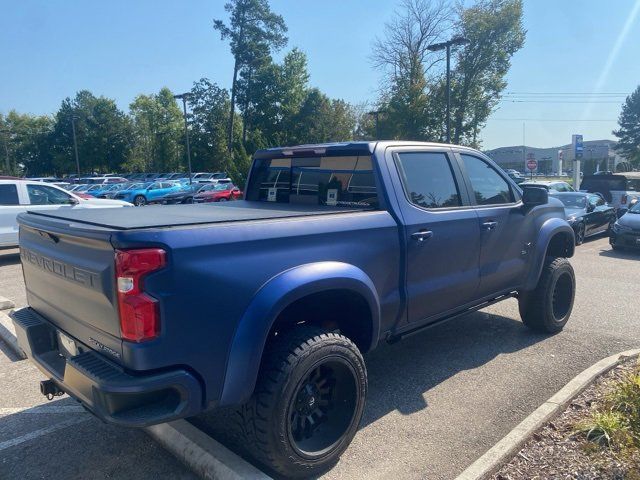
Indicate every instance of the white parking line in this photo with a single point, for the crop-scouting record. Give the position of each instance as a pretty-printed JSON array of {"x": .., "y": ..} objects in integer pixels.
[
  {"x": 42, "y": 409},
  {"x": 43, "y": 431}
]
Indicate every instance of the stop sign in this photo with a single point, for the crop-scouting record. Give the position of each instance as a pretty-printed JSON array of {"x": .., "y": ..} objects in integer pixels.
[{"x": 532, "y": 164}]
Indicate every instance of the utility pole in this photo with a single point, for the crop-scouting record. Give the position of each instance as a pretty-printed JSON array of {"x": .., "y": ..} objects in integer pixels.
[
  {"x": 447, "y": 46},
  {"x": 184, "y": 97},
  {"x": 376, "y": 116},
  {"x": 75, "y": 144}
]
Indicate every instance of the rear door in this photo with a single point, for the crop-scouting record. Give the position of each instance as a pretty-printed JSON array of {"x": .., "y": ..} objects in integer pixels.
[
  {"x": 441, "y": 233},
  {"x": 505, "y": 230},
  {"x": 598, "y": 214},
  {"x": 9, "y": 209}
]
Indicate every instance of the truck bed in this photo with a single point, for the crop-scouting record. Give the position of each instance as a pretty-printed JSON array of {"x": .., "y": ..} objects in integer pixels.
[{"x": 177, "y": 215}]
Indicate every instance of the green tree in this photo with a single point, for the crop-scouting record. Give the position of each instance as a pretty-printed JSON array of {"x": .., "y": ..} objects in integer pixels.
[
  {"x": 495, "y": 32},
  {"x": 24, "y": 144},
  {"x": 277, "y": 95},
  {"x": 404, "y": 56},
  {"x": 321, "y": 119},
  {"x": 209, "y": 115},
  {"x": 253, "y": 32},
  {"x": 104, "y": 135},
  {"x": 629, "y": 132},
  {"x": 158, "y": 133}
]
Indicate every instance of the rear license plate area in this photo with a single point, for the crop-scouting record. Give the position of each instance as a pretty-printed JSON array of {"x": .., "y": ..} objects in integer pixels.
[{"x": 67, "y": 346}]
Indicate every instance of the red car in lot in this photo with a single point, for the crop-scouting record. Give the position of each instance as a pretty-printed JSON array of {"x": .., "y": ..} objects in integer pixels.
[{"x": 219, "y": 192}]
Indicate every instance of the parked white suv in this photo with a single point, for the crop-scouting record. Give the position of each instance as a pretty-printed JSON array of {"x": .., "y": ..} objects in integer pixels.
[{"x": 17, "y": 196}]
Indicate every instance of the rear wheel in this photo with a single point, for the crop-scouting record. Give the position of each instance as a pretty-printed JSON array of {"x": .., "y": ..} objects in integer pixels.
[
  {"x": 308, "y": 402},
  {"x": 139, "y": 201},
  {"x": 580, "y": 233},
  {"x": 548, "y": 307}
]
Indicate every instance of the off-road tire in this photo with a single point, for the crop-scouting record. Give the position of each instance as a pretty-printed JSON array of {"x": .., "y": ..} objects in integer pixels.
[
  {"x": 548, "y": 307},
  {"x": 265, "y": 421}
]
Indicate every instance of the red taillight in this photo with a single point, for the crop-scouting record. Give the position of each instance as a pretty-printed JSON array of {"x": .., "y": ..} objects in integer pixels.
[{"x": 139, "y": 315}]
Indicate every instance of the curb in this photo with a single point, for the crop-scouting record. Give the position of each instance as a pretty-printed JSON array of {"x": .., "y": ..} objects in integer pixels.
[
  {"x": 8, "y": 335},
  {"x": 505, "y": 449},
  {"x": 202, "y": 454}
]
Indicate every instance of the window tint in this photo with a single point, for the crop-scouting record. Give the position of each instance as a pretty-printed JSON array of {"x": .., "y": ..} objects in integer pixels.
[
  {"x": 8, "y": 194},
  {"x": 488, "y": 186},
  {"x": 43, "y": 195},
  {"x": 428, "y": 180},
  {"x": 343, "y": 181}
]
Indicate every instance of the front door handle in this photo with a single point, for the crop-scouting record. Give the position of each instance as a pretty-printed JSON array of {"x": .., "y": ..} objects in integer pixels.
[
  {"x": 489, "y": 225},
  {"x": 422, "y": 235}
]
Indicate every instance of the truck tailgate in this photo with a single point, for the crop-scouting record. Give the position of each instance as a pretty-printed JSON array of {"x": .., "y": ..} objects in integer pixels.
[{"x": 70, "y": 280}]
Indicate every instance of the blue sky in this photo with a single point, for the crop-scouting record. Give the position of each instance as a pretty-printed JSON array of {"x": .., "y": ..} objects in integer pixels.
[{"x": 53, "y": 48}]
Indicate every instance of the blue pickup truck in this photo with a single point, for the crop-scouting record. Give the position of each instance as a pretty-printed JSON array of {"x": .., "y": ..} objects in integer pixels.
[{"x": 267, "y": 305}]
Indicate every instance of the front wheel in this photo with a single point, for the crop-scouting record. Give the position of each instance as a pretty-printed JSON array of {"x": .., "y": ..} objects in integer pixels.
[
  {"x": 222, "y": 199},
  {"x": 548, "y": 307},
  {"x": 139, "y": 201},
  {"x": 308, "y": 402}
]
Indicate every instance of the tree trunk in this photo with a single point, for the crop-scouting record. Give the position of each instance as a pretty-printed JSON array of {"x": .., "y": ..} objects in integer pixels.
[
  {"x": 233, "y": 106},
  {"x": 245, "y": 117}
]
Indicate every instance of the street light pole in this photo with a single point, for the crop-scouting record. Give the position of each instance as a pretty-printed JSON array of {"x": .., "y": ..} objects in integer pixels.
[
  {"x": 448, "y": 93},
  {"x": 447, "y": 46},
  {"x": 75, "y": 144},
  {"x": 376, "y": 116},
  {"x": 184, "y": 97}
]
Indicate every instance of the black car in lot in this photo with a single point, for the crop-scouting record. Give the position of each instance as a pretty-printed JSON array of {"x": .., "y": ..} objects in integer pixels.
[
  {"x": 587, "y": 213},
  {"x": 625, "y": 233}
]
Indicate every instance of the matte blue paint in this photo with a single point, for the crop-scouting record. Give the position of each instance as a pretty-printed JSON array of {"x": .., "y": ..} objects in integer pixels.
[{"x": 225, "y": 283}]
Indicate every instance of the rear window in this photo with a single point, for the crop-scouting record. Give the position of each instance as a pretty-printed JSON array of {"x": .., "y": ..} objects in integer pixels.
[
  {"x": 8, "y": 194},
  {"x": 342, "y": 181}
]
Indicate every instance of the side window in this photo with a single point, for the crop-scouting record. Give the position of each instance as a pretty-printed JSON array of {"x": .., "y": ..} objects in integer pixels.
[
  {"x": 8, "y": 194},
  {"x": 43, "y": 195},
  {"x": 488, "y": 186},
  {"x": 600, "y": 202},
  {"x": 428, "y": 179}
]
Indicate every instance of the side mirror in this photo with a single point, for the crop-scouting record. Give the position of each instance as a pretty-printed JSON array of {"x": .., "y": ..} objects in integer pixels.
[
  {"x": 590, "y": 207},
  {"x": 533, "y": 196},
  {"x": 73, "y": 201}
]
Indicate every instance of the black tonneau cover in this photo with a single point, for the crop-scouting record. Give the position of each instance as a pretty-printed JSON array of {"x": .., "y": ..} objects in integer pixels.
[{"x": 129, "y": 218}]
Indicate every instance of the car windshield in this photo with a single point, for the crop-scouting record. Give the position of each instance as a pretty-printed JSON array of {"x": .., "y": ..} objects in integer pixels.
[
  {"x": 573, "y": 201},
  {"x": 635, "y": 208}
]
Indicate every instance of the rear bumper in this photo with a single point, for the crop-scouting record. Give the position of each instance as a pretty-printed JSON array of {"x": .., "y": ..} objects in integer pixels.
[{"x": 107, "y": 390}]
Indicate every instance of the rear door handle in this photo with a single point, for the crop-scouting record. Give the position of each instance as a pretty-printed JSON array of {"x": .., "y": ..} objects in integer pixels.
[
  {"x": 422, "y": 235},
  {"x": 489, "y": 225}
]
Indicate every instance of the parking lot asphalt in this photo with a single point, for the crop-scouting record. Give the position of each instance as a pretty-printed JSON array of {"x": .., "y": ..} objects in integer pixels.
[{"x": 437, "y": 400}]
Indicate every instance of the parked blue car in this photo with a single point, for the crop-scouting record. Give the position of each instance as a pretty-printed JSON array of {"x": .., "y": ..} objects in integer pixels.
[{"x": 141, "y": 193}]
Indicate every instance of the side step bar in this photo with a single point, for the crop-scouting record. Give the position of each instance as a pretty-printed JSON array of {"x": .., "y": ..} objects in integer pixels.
[{"x": 396, "y": 337}]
